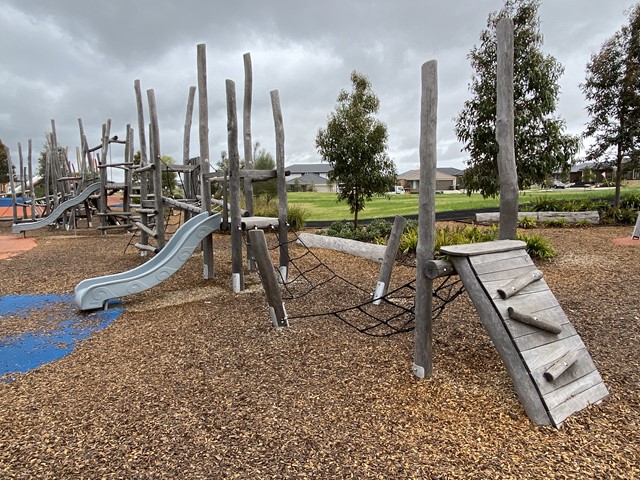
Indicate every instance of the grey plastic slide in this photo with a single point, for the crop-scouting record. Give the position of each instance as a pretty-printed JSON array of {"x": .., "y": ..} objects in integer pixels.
[
  {"x": 92, "y": 293},
  {"x": 57, "y": 212}
]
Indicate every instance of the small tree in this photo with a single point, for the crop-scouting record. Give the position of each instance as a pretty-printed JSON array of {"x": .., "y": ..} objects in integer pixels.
[{"x": 354, "y": 143}]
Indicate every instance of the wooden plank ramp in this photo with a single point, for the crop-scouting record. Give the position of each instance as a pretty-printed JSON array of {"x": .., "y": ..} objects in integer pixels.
[{"x": 533, "y": 355}]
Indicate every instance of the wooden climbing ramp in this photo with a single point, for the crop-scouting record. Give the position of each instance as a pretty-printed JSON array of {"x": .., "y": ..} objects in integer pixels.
[{"x": 552, "y": 372}]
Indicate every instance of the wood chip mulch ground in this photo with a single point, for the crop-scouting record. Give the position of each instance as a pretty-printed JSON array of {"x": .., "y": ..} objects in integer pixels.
[{"x": 193, "y": 382}]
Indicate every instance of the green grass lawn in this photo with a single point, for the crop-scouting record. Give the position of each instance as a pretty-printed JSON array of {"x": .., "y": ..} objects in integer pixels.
[{"x": 323, "y": 206}]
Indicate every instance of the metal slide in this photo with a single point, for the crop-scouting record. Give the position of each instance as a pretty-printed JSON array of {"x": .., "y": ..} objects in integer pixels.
[
  {"x": 94, "y": 292},
  {"x": 53, "y": 216}
]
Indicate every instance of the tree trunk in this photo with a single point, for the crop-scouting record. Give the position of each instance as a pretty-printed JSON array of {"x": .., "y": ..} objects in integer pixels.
[{"x": 616, "y": 202}]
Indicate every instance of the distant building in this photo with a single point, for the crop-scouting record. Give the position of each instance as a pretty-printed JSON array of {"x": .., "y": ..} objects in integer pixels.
[
  {"x": 308, "y": 177},
  {"x": 446, "y": 179}
]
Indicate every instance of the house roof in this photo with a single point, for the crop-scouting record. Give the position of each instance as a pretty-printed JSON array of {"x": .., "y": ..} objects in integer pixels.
[
  {"x": 308, "y": 179},
  {"x": 441, "y": 174},
  {"x": 302, "y": 168},
  {"x": 454, "y": 172}
]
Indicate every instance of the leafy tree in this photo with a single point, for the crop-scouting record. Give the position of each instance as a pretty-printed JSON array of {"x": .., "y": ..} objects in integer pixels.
[
  {"x": 541, "y": 145},
  {"x": 168, "y": 177},
  {"x": 263, "y": 160},
  {"x": 612, "y": 88},
  {"x": 354, "y": 143},
  {"x": 4, "y": 164}
]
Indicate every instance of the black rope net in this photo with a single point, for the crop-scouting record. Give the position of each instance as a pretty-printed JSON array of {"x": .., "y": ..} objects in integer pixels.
[{"x": 312, "y": 281}]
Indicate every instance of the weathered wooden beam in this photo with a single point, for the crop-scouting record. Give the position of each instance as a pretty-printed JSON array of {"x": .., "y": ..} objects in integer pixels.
[
  {"x": 352, "y": 247},
  {"x": 537, "y": 322},
  {"x": 205, "y": 160},
  {"x": 283, "y": 231},
  {"x": 423, "y": 343},
  {"x": 505, "y": 131},
  {"x": 438, "y": 268},
  {"x": 146, "y": 248},
  {"x": 181, "y": 205},
  {"x": 269, "y": 279},
  {"x": 519, "y": 283},
  {"x": 562, "y": 365},
  {"x": 234, "y": 187},
  {"x": 246, "y": 130},
  {"x": 590, "y": 216},
  {"x": 384, "y": 278},
  {"x": 147, "y": 230},
  {"x": 157, "y": 173}
]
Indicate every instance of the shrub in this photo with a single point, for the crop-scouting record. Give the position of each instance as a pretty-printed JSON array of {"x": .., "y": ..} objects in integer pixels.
[
  {"x": 630, "y": 201},
  {"x": 296, "y": 217},
  {"x": 409, "y": 240},
  {"x": 618, "y": 215},
  {"x": 537, "y": 246},
  {"x": 583, "y": 223},
  {"x": 527, "y": 222},
  {"x": 555, "y": 222},
  {"x": 543, "y": 204}
]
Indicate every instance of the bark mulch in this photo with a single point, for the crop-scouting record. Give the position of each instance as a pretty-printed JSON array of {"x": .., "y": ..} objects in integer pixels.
[{"x": 193, "y": 382}]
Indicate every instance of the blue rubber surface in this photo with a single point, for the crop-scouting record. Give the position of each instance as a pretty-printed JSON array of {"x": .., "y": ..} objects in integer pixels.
[{"x": 58, "y": 327}]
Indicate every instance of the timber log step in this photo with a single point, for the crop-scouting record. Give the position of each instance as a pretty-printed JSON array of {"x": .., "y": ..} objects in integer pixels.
[{"x": 552, "y": 372}]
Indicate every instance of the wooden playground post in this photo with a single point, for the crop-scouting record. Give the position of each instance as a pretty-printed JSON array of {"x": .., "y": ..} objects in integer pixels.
[
  {"x": 106, "y": 130},
  {"x": 423, "y": 348},
  {"x": 389, "y": 258},
  {"x": 32, "y": 191},
  {"x": 14, "y": 205},
  {"x": 504, "y": 132},
  {"x": 234, "y": 186},
  {"x": 144, "y": 186},
  {"x": 246, "y": 131},
  {"x": 157, "y": 171},
  {"x": 203, "y": 132},
  {"x": 268, "y": 277},
  {"x": 283, "y": 225},
  {"x": 186, "y": 140}
]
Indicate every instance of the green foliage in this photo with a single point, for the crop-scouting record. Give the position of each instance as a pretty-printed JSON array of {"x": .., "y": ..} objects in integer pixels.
[
  {"x": 541, "y": 145},
  {"x": 630, "y": 201},
  {"x": 555, "y": 222},
  {"x": 409, "y": 240},
  {"x": 527, "y": 222},
  {"x": 354, "y": 143},
  {"x": 4, "y": 164},
  {"x": 583, "y": 223},
  {"x": 297, "y": 215},
  {"x": 537, "y": 246},
  {"x": 617, "y": 215},
  {"x": 612, "y": 90},
  {"x": 263, "y": 160},
  {"x": 550, "y": 204},
  {"x": 377, "y": 231}
]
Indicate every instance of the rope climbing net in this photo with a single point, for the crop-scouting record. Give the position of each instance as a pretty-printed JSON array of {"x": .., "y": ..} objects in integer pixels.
[{"x": 309, "y": 278}]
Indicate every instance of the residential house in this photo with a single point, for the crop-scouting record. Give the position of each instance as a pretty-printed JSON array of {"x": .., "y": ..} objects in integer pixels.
[
  {"x": 446, "y": 179},
  {"x": 309, "y": 177}
]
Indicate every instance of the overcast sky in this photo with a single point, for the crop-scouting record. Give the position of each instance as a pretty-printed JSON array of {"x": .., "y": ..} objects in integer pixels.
[{"x": 70, "y": 59}]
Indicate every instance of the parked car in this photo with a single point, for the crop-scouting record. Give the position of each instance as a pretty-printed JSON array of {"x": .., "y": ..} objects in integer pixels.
[
  {"x": 398, "y": 190},
  {"x": 558, "y": 184}
]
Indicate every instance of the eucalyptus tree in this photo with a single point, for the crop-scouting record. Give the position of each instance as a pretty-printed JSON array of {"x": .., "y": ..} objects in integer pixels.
[{"x": 542, "y": 146}]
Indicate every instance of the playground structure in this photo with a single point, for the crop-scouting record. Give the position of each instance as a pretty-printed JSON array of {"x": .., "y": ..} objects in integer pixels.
[
  {"x": 71, "y": 198},
  {"x": 551, "y": 370}
]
